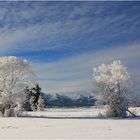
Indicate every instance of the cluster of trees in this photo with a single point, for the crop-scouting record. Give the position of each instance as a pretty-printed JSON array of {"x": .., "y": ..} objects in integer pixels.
[
  {"x": 15, "y": 76},
  {"x": 34, "y": 99},
  {"x": 58, "y": 100},
  {"x": 19, "y": 90}
]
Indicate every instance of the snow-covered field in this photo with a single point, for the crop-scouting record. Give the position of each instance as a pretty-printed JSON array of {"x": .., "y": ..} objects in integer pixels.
[{"x": 73, "y": 123}]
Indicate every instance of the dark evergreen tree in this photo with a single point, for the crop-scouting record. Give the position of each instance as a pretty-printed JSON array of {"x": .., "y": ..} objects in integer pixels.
[
  {"x": 35, "y": 93},
  {"x": 33, "y": 97}
]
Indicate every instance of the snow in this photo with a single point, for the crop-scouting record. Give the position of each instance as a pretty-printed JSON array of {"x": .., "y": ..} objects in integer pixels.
[
  {"x": 69, "y": 124},
  {"x": 65, "y": 113}
]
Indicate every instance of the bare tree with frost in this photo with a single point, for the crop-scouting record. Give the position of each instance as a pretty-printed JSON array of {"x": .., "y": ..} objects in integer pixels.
[
  {"x": 15, "y": 76},
  {"x": 113, "y": 81},
  {"x": 41, "y": 104}
]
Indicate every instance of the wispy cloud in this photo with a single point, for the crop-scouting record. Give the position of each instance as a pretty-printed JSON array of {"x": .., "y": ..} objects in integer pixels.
[
  {"x": 75, "y": 74},
  {"x": 46, "y": 26}
]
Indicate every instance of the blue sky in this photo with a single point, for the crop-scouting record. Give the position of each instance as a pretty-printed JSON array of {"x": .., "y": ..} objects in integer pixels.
[{"x": 63, "y": 41}]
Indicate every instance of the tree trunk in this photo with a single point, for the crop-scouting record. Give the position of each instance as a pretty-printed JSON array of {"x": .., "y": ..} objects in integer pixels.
[{"x": 132, "y": 113}]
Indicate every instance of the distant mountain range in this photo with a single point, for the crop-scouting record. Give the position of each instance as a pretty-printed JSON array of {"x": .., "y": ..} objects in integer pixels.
[{"x": 59, "y": 100}]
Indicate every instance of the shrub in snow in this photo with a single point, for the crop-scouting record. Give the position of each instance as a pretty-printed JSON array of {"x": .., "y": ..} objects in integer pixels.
[
  {"x": 100, "y": 115},
  {"x": 7, "y": 108},
  {"x": 15, "y": 76},
  {"x": 113, "y": 81},
  {"x": 9, "y": 112}
]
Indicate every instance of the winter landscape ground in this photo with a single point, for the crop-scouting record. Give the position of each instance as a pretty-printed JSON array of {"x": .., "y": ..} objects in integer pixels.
[{"x": 69, "y": 124}]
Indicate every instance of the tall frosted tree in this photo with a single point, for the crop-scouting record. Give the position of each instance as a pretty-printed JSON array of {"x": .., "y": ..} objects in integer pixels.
[
  {"x": 26, "y": 103},
  {"x": 15, "y": 76},
  {"x": 113, "y": 81},
  {"x": 41, "y": 103}
]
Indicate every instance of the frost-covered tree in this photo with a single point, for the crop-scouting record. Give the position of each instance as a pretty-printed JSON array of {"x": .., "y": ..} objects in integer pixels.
[
  {"x": 33, "y": 103},
  {"x": 15, "y": 76},
  {"x": 26, "y": 103},
  {"x": 113, "y": 81},
  {"x": 41, "y": 103}
]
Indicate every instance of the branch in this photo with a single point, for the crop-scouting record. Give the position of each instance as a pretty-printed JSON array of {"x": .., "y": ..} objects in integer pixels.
[{"x": 132, "y": 113}]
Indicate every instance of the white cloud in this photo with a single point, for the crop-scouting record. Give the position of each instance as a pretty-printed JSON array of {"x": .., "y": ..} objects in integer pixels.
[{"x": 75, "y": 73}]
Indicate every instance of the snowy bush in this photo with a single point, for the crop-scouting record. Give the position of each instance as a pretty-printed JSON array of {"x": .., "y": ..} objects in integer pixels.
[{"x": 113, "y": 81}]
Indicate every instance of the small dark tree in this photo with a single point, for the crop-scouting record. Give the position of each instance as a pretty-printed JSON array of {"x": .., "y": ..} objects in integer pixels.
[{"x": 35, "y": 93}]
